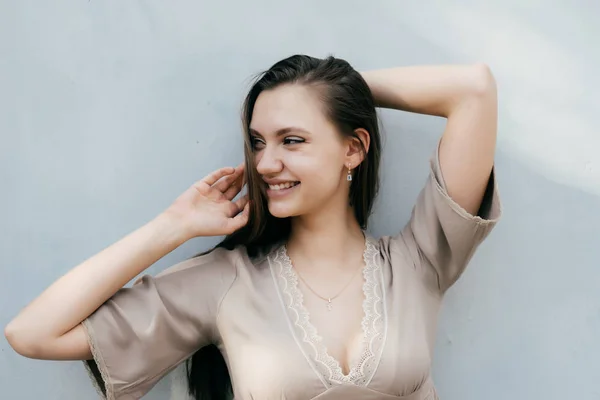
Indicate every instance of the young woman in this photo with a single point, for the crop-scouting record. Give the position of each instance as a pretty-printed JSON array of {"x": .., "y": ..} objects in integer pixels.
[{"x": 298, "y": 299}]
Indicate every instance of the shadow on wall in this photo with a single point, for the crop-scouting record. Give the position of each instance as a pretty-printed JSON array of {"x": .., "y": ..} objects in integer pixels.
[{"x": 524, "y": 319}]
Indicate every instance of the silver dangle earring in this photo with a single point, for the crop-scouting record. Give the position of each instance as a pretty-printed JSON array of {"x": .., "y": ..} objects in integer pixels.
[{"x": 349, "y": 176}]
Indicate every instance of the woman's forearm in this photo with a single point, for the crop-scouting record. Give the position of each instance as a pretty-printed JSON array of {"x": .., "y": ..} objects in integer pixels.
[
  {"x": 73, "y": 297},
  {"x": 430, "y": 89}
]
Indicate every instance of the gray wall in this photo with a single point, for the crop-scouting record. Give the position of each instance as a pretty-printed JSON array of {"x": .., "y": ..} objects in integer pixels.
[{"x": 109, "y": 109}]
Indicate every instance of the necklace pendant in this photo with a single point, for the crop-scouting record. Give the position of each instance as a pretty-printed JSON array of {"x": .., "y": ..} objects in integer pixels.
[{"x": 328, "y": 304}]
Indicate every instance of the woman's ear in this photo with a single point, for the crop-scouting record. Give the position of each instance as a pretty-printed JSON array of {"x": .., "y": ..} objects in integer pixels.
[{"x": 358, "y": 147}]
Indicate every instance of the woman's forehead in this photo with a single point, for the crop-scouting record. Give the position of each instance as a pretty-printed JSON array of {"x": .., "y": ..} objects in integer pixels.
[{"x": 288, "y": 106}]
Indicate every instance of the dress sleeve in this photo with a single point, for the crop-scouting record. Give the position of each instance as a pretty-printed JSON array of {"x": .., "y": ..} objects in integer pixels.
[
  {"x": 441, "y": 237},
  {"x": 142, "y": 332}
]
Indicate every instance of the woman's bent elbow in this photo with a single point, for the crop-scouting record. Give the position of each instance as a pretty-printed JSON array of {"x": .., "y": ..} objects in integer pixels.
[
  {"x": 73, "y": 345},
  {"x": 19, "y": 342}
]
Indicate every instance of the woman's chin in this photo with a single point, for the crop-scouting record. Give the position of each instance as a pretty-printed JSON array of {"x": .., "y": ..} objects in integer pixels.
[{"x": 281, "y": 210}]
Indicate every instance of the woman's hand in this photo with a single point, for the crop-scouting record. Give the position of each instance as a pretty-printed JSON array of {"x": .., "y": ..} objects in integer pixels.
[
  {"x": 50, "y": 326},
  {"x": 207, "y": 208}
]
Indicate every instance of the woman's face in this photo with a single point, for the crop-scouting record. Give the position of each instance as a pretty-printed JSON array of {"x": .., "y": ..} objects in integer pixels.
[{"x": 298, "y": 152}]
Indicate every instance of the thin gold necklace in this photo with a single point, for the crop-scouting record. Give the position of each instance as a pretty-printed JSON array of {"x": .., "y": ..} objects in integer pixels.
[{"x": 329, "y": 300}]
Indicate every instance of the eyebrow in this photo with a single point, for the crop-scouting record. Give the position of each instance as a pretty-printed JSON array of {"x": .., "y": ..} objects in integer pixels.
[{"x": 282, "y": 131}]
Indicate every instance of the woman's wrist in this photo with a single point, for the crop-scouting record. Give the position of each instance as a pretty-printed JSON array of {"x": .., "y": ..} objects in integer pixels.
[
  {"x": 427, "y": 89},
  {"x": 172, "y": 229}
]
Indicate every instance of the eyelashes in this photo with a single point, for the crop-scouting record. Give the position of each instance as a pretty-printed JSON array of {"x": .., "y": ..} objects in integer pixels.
[
  {"x": 292, "y": 140},
  {"x": 259, "y": 144}
]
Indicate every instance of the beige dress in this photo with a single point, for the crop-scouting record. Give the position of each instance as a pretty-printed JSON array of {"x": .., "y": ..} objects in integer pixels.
[{"x": 253, "y": 311}]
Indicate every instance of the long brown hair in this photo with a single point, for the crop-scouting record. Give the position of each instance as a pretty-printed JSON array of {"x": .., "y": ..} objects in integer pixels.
[{"x": 349, "y": 104}]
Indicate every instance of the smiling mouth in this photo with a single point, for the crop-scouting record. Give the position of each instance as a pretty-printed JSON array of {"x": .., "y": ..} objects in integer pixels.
[
  {"x": 283, "y": 186},
  {"x": 281, "y": 190}
]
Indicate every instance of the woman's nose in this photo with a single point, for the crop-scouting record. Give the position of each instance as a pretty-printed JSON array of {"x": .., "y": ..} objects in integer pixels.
[{"x": 269, "y": 162}]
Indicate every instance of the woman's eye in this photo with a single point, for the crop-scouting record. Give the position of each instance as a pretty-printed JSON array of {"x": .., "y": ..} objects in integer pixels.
[
  {"x": 292, "y": 140},
  {"x": 257, "y": 143}
]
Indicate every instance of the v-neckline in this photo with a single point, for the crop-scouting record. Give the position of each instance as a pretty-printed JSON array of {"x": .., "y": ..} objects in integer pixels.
[{"x": 374, "y": 321}]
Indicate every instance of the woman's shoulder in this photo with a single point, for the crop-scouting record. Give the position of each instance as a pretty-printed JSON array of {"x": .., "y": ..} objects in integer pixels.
[
  {"x": 239, "y": 256},
  {"x": 216, "y": 260},
  {"x": 397, "y": 251}
]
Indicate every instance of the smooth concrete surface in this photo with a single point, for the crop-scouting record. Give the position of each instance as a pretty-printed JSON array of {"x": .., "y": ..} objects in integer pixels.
[{"x": 110, "y": 109}]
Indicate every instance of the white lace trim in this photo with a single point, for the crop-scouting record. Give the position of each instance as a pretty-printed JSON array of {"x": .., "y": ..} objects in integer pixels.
[
  {"x": 373, "y": 323},
  {"x": 100, "y": 363}
]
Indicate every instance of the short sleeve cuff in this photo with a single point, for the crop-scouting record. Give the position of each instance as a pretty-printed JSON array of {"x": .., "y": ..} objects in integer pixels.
[{"x": 490, "y": 209}]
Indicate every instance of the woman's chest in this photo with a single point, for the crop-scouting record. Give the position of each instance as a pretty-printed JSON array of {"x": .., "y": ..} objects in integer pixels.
[{"x": 274, "y": 350}]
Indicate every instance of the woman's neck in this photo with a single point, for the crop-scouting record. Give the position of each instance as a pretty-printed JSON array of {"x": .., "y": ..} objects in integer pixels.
[{"x": 333, "y": 237}]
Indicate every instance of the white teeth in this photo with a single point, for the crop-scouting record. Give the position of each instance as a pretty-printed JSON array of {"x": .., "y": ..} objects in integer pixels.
[{"x": 286, "y": 185}]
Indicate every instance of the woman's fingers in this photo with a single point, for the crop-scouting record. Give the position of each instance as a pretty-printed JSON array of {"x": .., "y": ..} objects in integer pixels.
[
  {"x": 235, "y": 207},
  {"x": 240, "y": 219},
  {"x": 241, "y": 202},
  {"x": 235, "y": 187},
  {"x": 214, "y": 176},
  {"x": 224, "y": 184}
]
